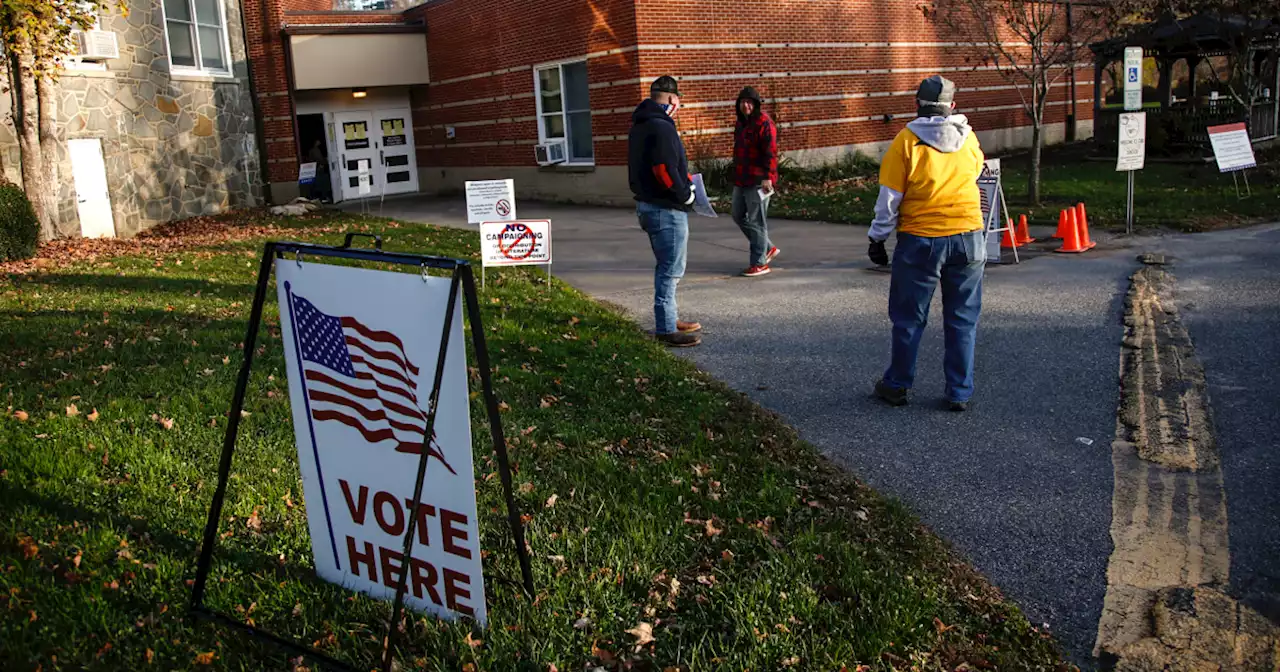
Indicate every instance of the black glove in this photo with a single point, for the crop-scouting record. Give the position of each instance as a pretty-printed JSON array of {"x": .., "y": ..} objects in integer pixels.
[{"x": 879, "y": 256}]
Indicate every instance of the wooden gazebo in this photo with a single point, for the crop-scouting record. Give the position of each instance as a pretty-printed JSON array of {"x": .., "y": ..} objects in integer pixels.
[{"x": 1189, "y": 65}]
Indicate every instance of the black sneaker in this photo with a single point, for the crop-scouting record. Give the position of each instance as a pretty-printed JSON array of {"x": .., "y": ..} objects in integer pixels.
[
  {"x": 957, "y": 406},
  {"x": 894, "y": 396},
  {"x": 679, "y": 339}
]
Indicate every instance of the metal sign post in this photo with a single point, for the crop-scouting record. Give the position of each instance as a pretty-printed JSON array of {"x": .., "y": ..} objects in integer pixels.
[
  {"x": 1133, "y": 132},
  {"x": 462, "y": 288}
]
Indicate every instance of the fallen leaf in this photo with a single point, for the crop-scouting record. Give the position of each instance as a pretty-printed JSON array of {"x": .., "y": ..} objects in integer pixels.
[
  {"x": 204, "y": 658},
  {"x": 791, "y": 662},
  {"x": 33, "y": 618},
  {"x": 726, "y": 555},
  {"x": 150, "y": 655},
  {"x": 604, "y": 655},
  {"x": 472, "y": 642},
  {"x": 254, "y": 522},
  {"x": 504, "y": 406},
  {"x": 226, "y": 360},
  {"x": 526, "y": 488},
  {"x": 29, "y": 548},
  {"x": 712, "y": 530},
  {"x": 551, "y": 501},
  {"x": 93, "y": 417},
  {"x": 288, "y": 499},
  {"x": 861, "y": 514},
  {"x": 72, "y": 411},
  {"x": 21, "y": 416},
  {"x": 297, "y": 610},
  {"x": 556, "y": 558},
  {"x": 643, "y": 632},
  {"x": 469, "y": 667},
  {"x": 76, "y": 560},
  {"x": 167, "y": 423},
  {"x": 582, "y": 624}
]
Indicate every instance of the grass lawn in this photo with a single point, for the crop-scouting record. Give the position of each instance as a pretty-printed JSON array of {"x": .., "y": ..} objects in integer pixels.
[
  {"x": 1176, "y": 196},
  {"x": 673, "y": 524}
]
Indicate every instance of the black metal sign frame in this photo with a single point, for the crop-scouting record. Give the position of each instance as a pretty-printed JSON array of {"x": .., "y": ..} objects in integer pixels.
[{"x": 461, "y": 277}]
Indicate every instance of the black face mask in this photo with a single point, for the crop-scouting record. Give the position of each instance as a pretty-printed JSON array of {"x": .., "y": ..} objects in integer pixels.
[{"x": 933, "y": 110}]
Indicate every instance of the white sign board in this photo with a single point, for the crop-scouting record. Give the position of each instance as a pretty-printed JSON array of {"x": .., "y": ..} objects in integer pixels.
[
  {"x": 364, "y": 180},
  {"x": 361, "y": 348},
  {"x": 1133, "y": 78},
  {"x": 702, "y": 202},
  {"x": 491, "y": 201},
  {"x": 521, "y": 243},
  {"x": 1132, "y": 141},
  {"x": 307, "y": 173},
  {"x": 1232, "y": 147}
]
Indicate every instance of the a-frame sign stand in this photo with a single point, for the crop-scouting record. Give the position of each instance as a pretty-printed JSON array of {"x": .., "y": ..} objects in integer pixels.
[{"x": 461, "y": 278}]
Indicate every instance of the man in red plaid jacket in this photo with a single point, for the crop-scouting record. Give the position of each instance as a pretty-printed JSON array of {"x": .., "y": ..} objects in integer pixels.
[{"x": 755, "y": 172}]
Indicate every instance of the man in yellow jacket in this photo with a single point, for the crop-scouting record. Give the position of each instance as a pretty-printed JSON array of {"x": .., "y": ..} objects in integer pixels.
[{"x": 929, "y": 195}]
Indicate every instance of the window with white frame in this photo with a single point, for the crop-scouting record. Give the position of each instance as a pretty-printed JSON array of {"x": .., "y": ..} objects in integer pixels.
[
  {"x": 197, "y": 35},
  {"x": 564, "y": 109}
]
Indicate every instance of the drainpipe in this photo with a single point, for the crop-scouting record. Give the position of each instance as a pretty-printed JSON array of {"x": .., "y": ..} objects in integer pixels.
[
  {"x": 259, "y": 129},
  {"x": 1071, "y": 41}
]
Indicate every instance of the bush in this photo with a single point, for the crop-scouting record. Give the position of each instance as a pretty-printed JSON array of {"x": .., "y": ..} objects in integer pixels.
[{"x": 19, "y": 229}]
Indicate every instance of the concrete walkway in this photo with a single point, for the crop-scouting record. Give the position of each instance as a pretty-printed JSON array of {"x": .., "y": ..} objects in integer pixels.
[{"x": 1021, "y": 484}]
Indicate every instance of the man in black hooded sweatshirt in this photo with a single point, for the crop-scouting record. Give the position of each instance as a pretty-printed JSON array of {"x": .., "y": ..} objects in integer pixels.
[
  {"x": 659, "y": 174},
  {"x": 755, "y": 172}
]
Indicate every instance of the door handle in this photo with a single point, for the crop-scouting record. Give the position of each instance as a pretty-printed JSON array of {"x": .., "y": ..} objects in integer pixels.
[{"x": 382, "y": 159}]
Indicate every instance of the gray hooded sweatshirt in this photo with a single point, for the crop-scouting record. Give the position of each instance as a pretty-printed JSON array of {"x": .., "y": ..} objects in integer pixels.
[{"x": 945, "y": 134}]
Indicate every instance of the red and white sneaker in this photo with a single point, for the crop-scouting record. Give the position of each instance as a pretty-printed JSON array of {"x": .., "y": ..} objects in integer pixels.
[
  {"x": 756, "y": 271},
  {"x": 773, "y": 252}
]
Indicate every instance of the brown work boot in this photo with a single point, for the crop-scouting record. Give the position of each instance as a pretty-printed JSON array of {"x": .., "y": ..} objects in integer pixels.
[
  {"x": 679, "y": 340},
  {"x": 688, "y": 327}
]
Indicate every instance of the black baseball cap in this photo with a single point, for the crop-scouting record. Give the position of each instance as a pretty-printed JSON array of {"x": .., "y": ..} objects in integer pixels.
[
  {"x": 665, "y": 84},
  {"x": 937, "y": 89}
]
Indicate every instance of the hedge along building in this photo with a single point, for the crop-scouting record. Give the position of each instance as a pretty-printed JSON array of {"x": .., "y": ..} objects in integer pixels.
[
  {"x": 154, "y": 120},
  {"x": 508, "y": 76}
]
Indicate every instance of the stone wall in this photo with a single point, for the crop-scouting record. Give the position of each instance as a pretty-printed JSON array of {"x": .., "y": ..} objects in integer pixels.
[{"x": 175, "y": 145}]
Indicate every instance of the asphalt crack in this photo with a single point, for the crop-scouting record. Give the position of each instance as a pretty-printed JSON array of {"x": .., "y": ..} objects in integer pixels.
[{"x": 1164, "y": 608}]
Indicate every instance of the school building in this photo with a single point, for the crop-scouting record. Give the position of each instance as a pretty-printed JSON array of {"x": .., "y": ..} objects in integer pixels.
[{"x": 403, "y": 96}]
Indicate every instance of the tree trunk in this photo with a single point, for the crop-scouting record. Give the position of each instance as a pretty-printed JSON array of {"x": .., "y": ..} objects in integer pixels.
[
  {"x": 47, "y": 93},
  {"x": 1033, "y": 179},
  {"x": 26, "y": 120}
]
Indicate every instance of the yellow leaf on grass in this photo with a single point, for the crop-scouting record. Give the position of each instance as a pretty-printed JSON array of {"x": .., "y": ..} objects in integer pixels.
[
  {"x": 150, "y": 656},
  {"x": 643, "y": 632},
  {"x": 712, "y": 530},
  {"x": 526, "y": 488},
  {"x": 473, "y": 642},
  {"x": 551, "y": 501},
  {"x": 204, "y": 658},
  {"x": 93, "y": 417},
  {"x": 21, "y": 416},
  {"x": 254, "y": 522},
  {"x": 72, "y": 411}
]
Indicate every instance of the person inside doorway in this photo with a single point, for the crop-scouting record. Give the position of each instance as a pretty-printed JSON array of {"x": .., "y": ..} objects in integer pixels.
[{"x": 322, "y": 187}]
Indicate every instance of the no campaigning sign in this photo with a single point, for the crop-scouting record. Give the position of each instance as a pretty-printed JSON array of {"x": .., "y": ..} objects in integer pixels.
[
  {"x": 516, "y": 243},
  {"x": 361, "y": 349}
]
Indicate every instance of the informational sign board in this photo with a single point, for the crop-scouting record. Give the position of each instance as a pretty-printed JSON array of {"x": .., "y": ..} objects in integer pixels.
[
  {"x": 364, "y": 176},
  {"x": 393, "y": 132},
  {"x": 991, "y": 195},
  {"x": 1232, "y": 147},
  {"x": 361, "y": 349},
  {"x": 307, "y": 173},
  {"x": 355, "y": 135},
  {"x": 491, "y": 201},
  {"x": 1132, "y": 78},
  {"x": 519, "y": 243},
  {"x": 702, "y": 202},
  {"x": 1132, "y": 142}
]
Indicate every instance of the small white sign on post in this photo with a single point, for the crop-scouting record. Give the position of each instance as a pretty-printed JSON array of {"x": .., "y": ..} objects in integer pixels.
[
  {"x": 364, "y": 180},
  {"x": 361, "y": 347},
  {"x": 491, "y": 201},
  {"x": 1232, "y": 147},
  {"x": 1132, "y": 78},
  {"x": 307, "y": 173},
  {"x": 526, "y": 242},
  {"x": 1132, "y": 153}
]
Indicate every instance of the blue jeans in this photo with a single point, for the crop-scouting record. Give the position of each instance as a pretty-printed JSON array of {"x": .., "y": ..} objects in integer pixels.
[
  {"x": 668, "y": 231},
  {"x": 751, "y": 214},
  {"x": 918, "y": 264}
]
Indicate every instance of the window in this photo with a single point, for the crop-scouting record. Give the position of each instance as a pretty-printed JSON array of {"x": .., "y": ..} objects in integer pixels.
[
  {"x": 197, "y": 35},
  {"x": 564, "y": 109}
]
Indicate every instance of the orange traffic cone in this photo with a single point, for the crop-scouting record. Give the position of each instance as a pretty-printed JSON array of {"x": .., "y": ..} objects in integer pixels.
[
  {"x": 1024, "y": 236},
  {"x": 1071, "y": 240},
  {"x": 1082, "y": 223},
  {"x": 1007, "y": 240},
  {"x": 1063, "y": 226}
]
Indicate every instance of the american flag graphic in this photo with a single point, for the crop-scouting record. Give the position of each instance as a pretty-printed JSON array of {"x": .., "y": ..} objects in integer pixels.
[{"x": 362, "y": 378}]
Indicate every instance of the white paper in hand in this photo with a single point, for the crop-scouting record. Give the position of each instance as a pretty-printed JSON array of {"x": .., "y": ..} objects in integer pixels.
[{"x": 701, "y": 203}]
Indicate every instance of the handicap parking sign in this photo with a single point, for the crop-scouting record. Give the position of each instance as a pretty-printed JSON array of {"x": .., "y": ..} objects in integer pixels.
[{"x": 1133, "y": 74}]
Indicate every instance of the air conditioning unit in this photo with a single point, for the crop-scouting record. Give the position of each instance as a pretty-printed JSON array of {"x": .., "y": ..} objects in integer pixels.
[
  {"x": 550, "y": 153},
  {"x": 98, "y": 45}
]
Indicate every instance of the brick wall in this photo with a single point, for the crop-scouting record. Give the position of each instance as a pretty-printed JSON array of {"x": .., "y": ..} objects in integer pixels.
[
  {"x": 482, "y": 83},
  {"x": 830, "y": 69}
]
